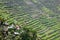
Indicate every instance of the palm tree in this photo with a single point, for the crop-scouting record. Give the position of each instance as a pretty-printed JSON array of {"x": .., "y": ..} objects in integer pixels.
[{"x": 28, "y": 34}]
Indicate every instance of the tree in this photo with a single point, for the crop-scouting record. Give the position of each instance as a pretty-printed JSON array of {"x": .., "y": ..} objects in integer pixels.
[{"x": 28, "y": 34}]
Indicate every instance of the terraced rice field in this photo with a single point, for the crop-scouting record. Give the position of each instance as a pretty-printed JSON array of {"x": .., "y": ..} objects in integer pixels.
[
  {"x": 46, "y": 24},
  {"x": 47, "y": 29}
]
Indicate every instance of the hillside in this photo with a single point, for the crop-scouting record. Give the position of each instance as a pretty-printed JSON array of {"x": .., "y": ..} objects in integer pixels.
[{"x": 40, "y": 15}]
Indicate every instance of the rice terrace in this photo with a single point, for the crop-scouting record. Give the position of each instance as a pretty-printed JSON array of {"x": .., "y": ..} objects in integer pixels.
[{"x": 29, "y": 19}]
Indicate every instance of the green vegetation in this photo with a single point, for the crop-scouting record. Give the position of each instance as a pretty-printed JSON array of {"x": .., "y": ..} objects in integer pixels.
[{"x": 39, "y": 19}]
